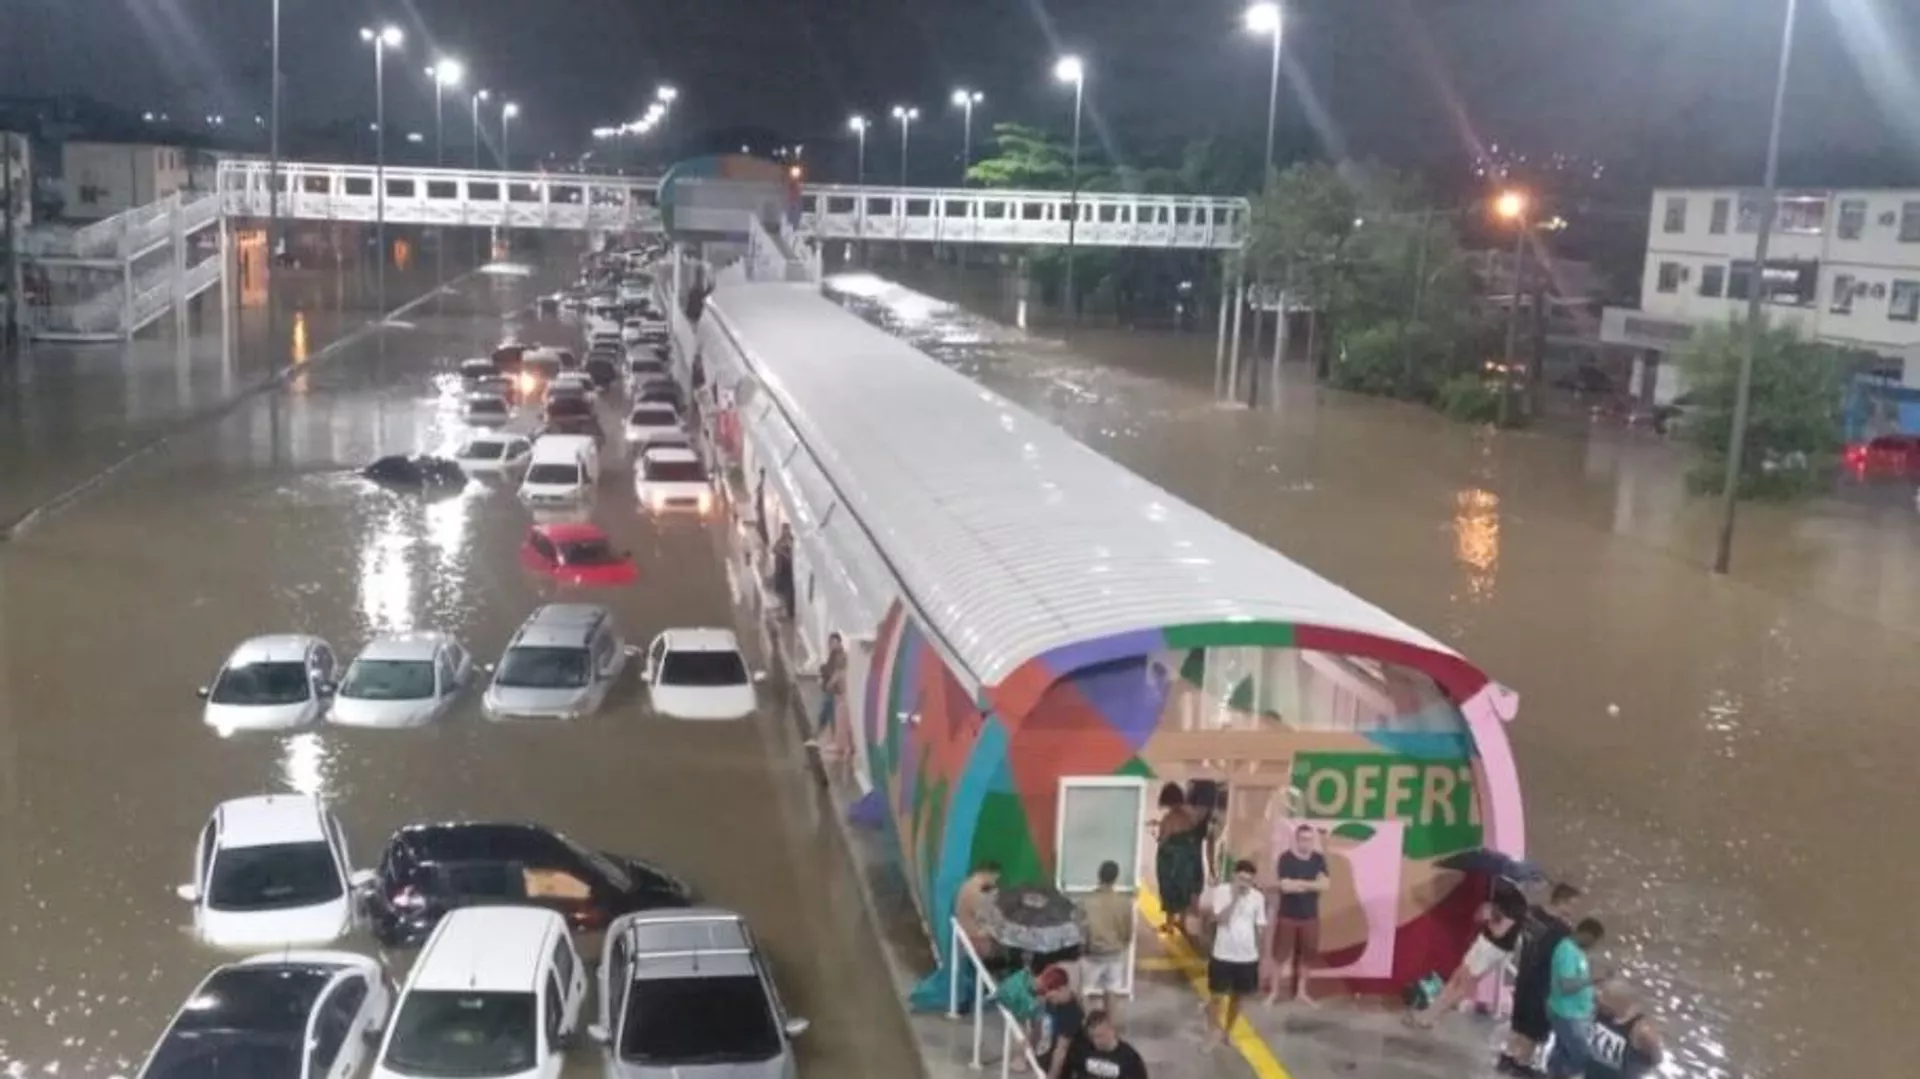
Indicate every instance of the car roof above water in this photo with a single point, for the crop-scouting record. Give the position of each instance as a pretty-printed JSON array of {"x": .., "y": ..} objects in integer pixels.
[
  {"x": 269, "y": 819},
  {"x": 404, "y": 646},
  {"x": 702, "y": 639},
  {"x": 691, "y": 942},
  {"x": 487, "y": 950},
  {"x": 560, "y": 625},
  {"x": 272, "y": 648}
]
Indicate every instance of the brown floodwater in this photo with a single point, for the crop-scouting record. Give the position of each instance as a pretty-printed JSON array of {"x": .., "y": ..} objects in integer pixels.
[
  {"x": 1711, "y": 757},
  {"x": 113, "y": 610}
]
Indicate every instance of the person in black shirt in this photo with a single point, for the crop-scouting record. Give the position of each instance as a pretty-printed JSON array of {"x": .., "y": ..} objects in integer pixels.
[
  {"x": 1060, "y": 1020},
  {"x": 1546, "y": 928},
  {"x": 1302, "y": 870},
  {"x": 1623, "y": 1043},
  {"x": 1099, "y": 1053}
]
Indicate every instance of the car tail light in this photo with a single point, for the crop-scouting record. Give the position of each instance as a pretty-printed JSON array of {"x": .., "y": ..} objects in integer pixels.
[
  {"x": 706, "y": 501},
  {"x": 407, "y": 898},
  {"x": 589, "y": 918}
]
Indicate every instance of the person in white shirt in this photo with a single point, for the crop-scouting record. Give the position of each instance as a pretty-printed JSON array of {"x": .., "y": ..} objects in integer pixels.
[{"x": 1238, "y": 912}]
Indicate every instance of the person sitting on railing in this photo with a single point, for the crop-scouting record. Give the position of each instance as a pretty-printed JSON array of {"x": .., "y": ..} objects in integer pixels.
[{"x": 974, "y": 908}]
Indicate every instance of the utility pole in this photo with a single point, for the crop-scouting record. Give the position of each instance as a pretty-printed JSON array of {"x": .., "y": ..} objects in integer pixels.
[
  {"x": 12, "y": 313},
  {"x": 273, "y": 201}
]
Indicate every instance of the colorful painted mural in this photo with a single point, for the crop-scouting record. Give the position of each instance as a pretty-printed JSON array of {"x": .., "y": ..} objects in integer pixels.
[{"x": 967, "y": 777}]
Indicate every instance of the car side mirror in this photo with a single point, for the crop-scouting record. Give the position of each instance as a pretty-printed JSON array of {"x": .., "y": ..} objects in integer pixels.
[
  {"x": 632, "y": 650},
  {"x": 599, "y": 1033},
  {"x": 203, "y": 692},
  {"x": 646, "y": 676},
  {"x": 759, "y": 676},
  {"x": 188, "y": 892},
  {"x": 797, "y": 1027},
  {"x": 363, "y": 879},
  {"x": 372, "y": 1035},
  {"x": 488, "y": 667},
  {"x": 326, "y": 688}
]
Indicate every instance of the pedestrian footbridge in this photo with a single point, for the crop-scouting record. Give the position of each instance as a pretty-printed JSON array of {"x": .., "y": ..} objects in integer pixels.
[{"x": 110, "y": 279}]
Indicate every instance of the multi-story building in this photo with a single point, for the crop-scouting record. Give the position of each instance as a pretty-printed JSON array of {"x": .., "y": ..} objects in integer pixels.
[
  {"x": 101, "y": 179},
  {"x": 1843, "y": 266}
]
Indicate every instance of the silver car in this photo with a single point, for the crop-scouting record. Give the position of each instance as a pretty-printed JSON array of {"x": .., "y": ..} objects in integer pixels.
[
  {"x": 686, "y": 994},
  {"x": 560, "y": 664}
]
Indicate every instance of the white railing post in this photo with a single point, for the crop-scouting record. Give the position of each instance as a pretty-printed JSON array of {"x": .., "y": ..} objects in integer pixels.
[
  {"x": 953, "y": 971},
  {"x": 1006, "y": 1048}
]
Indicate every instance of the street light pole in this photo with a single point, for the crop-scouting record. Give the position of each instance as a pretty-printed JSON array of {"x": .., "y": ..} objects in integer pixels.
[
  {"x": 858, "y": 125},
  {"x": 273, "y": 194},
  {"x": 966, "y": 99},
  {"x": 387, "y": 37},
  {"x": 906, "y": 115},
  {"x": 1756, "y": 291},
  {"x": 478, "y": 97},
  {"x": 1070, "y": 69},
  {"x": 1264, "y": 18}
]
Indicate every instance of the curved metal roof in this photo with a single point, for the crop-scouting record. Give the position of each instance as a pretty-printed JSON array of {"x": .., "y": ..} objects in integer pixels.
[{"x": 1009, "y": 537}]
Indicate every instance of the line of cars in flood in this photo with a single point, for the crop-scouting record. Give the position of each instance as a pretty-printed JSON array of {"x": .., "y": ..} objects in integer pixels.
[{"x": 499, "y": 987}]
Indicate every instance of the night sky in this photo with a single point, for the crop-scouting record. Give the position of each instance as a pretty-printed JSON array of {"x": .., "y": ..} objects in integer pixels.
[{"x": 1403, "y": 79}]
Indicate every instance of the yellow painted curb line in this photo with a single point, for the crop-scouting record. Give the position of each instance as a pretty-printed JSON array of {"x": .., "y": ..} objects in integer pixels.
[{"x": 1181, "y": 957}]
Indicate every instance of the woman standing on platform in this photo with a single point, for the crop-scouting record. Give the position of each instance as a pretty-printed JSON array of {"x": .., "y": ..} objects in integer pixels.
[{"x": 1179, "y": 862}]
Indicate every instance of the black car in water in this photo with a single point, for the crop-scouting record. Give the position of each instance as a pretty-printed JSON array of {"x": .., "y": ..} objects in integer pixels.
[
  {"x": 430, "y": 869},
  {"x": 573, "y": 414},
  {"x": 602, "y": 370}
]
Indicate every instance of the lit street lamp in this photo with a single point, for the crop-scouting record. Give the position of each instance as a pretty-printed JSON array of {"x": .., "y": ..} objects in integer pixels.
[
  {"x": 1756, "y": 289},
  {"x": 444, "y": 73},
  {"x": 966, "y": 99},
  {"x": 478, "y": 97},
  {"x": 507, "y": 112},
  {"x": 1264, "y": 18},
  {"x": 1070, "y": 69},
  {"x": 858, "y": 125},
  {"x": 387, "y": 37},
  {"x": 1512, "y": 207},
  {"x": 906, "y": 116}
]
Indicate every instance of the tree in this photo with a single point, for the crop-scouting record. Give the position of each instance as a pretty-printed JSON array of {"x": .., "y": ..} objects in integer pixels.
[
  {"x": 1793, "y": 419},
  {"x": 1028, "y": 157},
  {"x": 1381, "y": 270}
]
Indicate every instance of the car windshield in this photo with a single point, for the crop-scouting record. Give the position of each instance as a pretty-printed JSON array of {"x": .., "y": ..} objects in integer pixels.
[
  {"x": 273, "y": 878},
  {"x": 646, "y": 368},
  {"x": 389, "y": 680},
  {"x": 262, "y": 684},
  {"x": 703, "y": 669},
  {"x": 486, "y": 404},
  {"x": 244, "y": 1022},
  {"x": 707, "y": 1020},
  {"x": 675, "y": 471},
  {"x": 653, "y": 417},
  {"x": 441, "y": 1033},
  {"x": 483, "y": 451},
  {"x": 531, "y": 667},
  {"x": 555, "y": 474},
  {"x": 592, "y": 552}
]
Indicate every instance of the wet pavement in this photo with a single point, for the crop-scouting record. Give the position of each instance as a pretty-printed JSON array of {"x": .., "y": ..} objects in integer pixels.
[
  {"x": 113, "y": 610},
  {"x": 1712, "y": 758}
]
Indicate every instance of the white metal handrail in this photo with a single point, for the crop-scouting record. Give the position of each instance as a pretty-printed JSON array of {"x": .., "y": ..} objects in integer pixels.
[{"x": 984, "y": 987}]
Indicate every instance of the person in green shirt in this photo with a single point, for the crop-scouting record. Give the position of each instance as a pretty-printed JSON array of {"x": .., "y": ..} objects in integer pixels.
[{"x": 1570, "y": 1000}]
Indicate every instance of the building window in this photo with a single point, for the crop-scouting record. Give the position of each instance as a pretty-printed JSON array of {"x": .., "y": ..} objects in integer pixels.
[
  {"x": 1749, "y": 214},
  {"x": 1842, "y": 303},
  {"x": 1789, "y": 282},
  {"x": 1904, "y": 304},
  {"x": 1909, "y": 222},
  {"x": 1807, "y": 216},
  {"x": 1713, "y": 280},
  {"x": 1739, "y": 280},
  {"x": 1722, "y": 209},
  {"x": 1670, "y": 273},
  {"x": 1676, "y": 213},
  {"x": 1853, "y": 218}
]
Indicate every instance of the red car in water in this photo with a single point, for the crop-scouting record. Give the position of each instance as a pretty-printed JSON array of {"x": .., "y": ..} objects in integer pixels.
[
  {"x": 578, "y": 554},
  {"x": 1895, "y": 457}
]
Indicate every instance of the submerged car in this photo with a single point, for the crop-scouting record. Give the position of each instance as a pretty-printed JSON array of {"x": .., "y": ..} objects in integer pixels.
[
  {"x": 272, "y": 872},
  {"x": 686, "y": 994},
  {"x": 493, "y": 454},
  {"x": 431, "y": 869},
  {"x": 672, "y": 480},
  {"x": 399, "y": 470},
  {"x": 485, "y": 410},
  {"x": 560, "y": 664},
  {"x": 271, "y": 683},
  {"x": 290, "y": 1015},
  {"x": 699, "y": 674},
  {"x": 407, "y": 680},
  {"x": 577, "y": 554}
]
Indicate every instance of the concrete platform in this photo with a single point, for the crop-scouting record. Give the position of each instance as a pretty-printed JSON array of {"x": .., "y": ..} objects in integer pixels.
[{"x": 1165, "y": 1020}]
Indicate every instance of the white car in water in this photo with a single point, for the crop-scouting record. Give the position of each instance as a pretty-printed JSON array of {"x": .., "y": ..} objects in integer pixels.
[
  {"x": 290, "y": 1015},
  {"x": 647, "y": 423},
  {"x": 493, "y": 454},
  {"x": 402, "y": 681},
  {"x": 485, "y": 410},
  {"x": 271, "y": 683},
  {"x": 668, "y": 479},
  {"x": 272, "y": 872},
  {"x": 700, "y": 674}
]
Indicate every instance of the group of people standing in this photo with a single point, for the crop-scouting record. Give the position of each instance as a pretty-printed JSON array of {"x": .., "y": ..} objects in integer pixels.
[{"x": 1589, "y": 1026}]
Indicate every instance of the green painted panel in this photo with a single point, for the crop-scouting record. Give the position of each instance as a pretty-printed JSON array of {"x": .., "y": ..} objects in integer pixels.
[
  {"x": 1436, "y": 798},
  {"x": 1135, "y": 767},
  {"x": 1004, "y": 835},
  {"x": 1231, "y": 635}
]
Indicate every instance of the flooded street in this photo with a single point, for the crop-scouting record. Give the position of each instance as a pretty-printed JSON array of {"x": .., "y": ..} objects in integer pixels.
[
  {"x": 113, "y": 610},
  {"x": 1704, "y": 755}
]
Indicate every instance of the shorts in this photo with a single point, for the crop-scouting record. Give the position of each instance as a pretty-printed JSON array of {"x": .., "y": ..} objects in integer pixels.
[
  {"x": 1296, "y": 940},
  {"x": 1530, "y": 1013},
  {"x": 1229, "y": 979},
  {"x": 1103, "y": 973},
  {"x": 1483, "y": 958}
]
